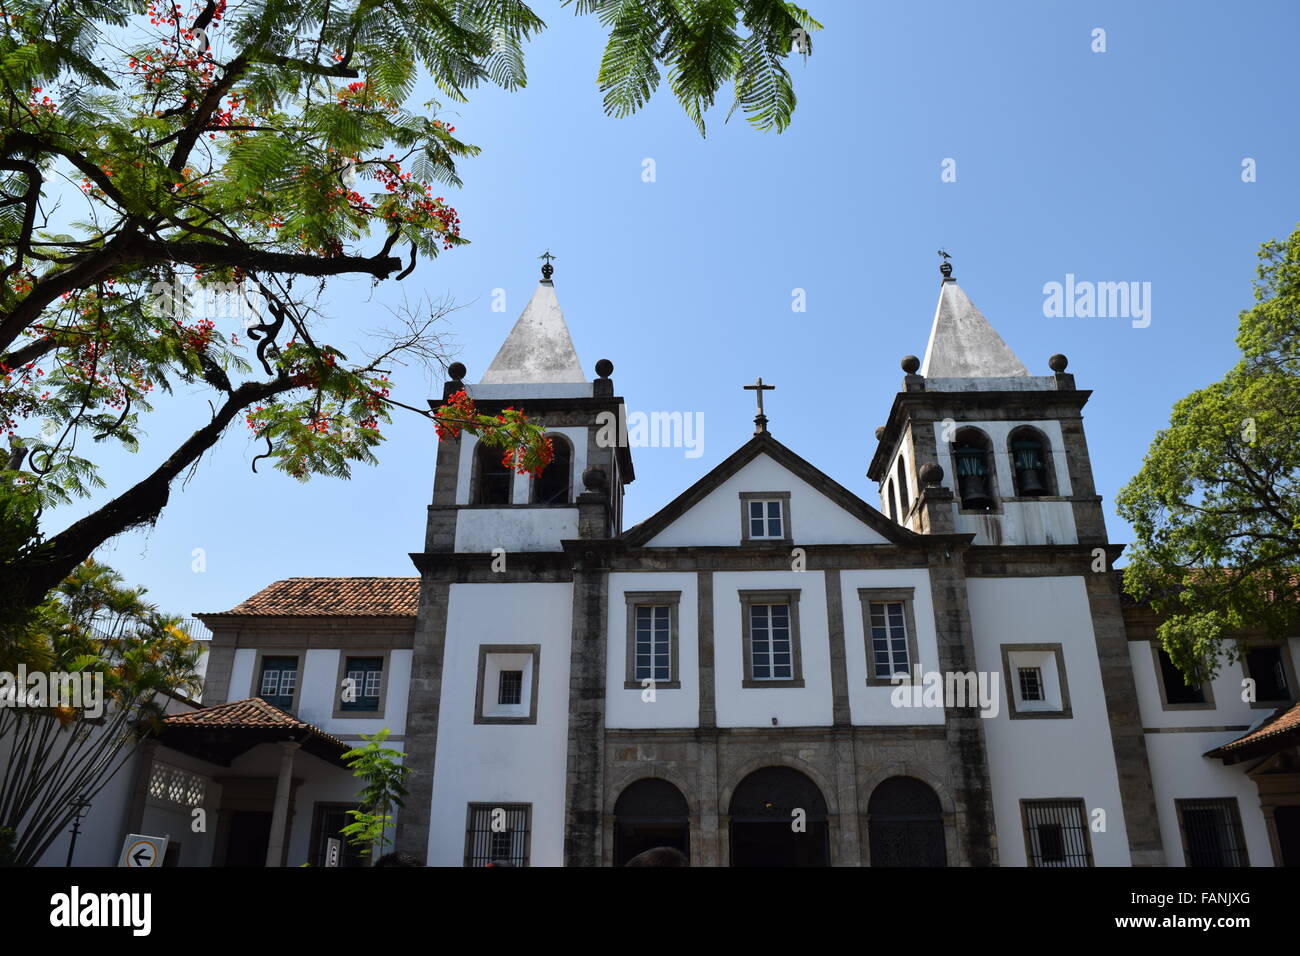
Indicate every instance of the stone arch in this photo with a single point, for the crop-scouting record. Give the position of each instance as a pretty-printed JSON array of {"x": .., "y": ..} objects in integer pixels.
[
  {"x": 778, "y": 815},
  {"x": 868, "y": 784},
  {"x": 490, "y": 481},
  {"x": 738, "y": 775},
  {"x": 1023, "y": 434},
  {"x": 635, "y": 774},
  {"x": 974, "y": 469},
  {"x": 547, "y": 489},
  {"x": 649, "y": 812},
  {"x": 905, "y": 823}
]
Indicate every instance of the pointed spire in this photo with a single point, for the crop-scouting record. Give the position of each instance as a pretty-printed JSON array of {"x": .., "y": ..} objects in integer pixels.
[
  {"x": 539, "y": 347},
  {"x": 962, "y": 342}
]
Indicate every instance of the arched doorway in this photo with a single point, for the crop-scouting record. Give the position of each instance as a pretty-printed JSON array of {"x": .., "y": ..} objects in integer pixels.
[
  {"x": 765, "y": 829},
  {"x": 648, "y": 814},
  {"x": 906, "y": 824}
]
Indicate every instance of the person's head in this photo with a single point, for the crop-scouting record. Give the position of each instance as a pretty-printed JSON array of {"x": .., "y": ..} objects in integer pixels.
[
  {"x": 398, "y": 858},
  {"x": 659, "y": 856}
]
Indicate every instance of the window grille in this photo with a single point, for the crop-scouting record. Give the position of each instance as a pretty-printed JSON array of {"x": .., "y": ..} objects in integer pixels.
[
  {"x": 508, "y": 841},
  {"x": 1057, "y": 833}
]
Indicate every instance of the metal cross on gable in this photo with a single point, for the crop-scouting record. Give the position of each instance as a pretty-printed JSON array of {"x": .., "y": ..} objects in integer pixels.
[{"x": 760, "y": 421}]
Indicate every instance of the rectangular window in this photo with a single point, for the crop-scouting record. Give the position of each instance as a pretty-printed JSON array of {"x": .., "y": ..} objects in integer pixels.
[
  {"x": 765, "y": 519},
  {"x": 327, "y": 820},
  {"x": 363, "y": 677},
  {"x": 278, "y": 681},
  {"x": 652, "y": 639},
  {"x": 1266, "y": 667},
  {"x": 770, "y": 630},
  {"x": 1031, "y": 683},
  {"x": 1211, "y": 833},
  {"x": 765, "y": 516},
  {"x": 889, "y": 639},
  {"x": 498, "y": 833},
  {"x": 653, "y": 643},
  {"x": 1056, "y": 833},
  {"x": 511, "y": 687},
  {"x": 770, "y": 647},
  {"x": 1174, "y": 684}
]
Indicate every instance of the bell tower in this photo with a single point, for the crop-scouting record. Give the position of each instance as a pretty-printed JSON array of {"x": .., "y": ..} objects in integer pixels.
[
  {"x": 976, "y": 444},
  {"x": 479, "y": 504}
]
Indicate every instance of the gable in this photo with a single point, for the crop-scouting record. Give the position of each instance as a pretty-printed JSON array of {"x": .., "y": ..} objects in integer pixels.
[{"x": 820, "y": 511}]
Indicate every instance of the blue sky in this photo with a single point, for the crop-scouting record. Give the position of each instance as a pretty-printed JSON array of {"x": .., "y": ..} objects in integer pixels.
[{"x": 1116, "y": 166}]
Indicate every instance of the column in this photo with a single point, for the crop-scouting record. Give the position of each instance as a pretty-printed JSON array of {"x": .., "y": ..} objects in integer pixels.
[{"x": 280, "y": 815}]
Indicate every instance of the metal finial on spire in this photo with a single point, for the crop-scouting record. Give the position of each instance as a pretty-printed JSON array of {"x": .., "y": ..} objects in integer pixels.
[
  {"x": 945, "y": 268},
  {"x": 760, "y": 420},
  {"x": 548, "y": 270}
]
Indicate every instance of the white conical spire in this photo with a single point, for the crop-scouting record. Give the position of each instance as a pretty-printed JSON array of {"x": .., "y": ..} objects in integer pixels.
[
  {"x": 538, "y": 348},
  {"x": 963, "y": 344}
]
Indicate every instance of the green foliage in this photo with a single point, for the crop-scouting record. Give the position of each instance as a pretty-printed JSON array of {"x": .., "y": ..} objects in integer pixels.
[
  {"x": 384, "y": 789},
  {"x": 91, "y": 624},
  {"x": 158, "y": 159},
  {"x": 1215, "y": 505}
]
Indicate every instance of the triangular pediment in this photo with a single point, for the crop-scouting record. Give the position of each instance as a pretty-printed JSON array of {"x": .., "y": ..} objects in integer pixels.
[{"x": 821, "y": 510}]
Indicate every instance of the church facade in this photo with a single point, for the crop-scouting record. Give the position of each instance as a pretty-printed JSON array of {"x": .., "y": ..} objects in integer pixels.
[{"x": 769, "y": 670}]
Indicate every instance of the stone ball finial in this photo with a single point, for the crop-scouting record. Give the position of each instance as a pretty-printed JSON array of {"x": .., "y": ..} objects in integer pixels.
[
  {"x": 880, "y": 432},
  {"x": 594, "y": 478},
  {"x": 604, "y": 368},
  {"x": 456, "y": 370},
  {"x": 931, "y": 474},
  {"x": 1058, "y": 362},
  {"x": 910, "y": 364}
]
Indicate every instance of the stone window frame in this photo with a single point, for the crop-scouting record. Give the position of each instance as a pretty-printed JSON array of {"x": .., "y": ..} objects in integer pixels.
[
  {"x": 483, "y": 651},
  {"x": 869, "y": 596},
  {"x": 784, "y": 497},
  {"x": 1288, "y": 669},
  {"x": 474, "y": 481},
  {"x": 569, "y": 498},
  {"x": 787, "y": 596},
  {"x": 1206, "y": 688},
  {"x": 299, "y": 652},
  {"x": 1229, "y": 803},
  {"x": 1062, "y": 680},
  {"x": 385, "y": 654},
  {"x": 635, "y": 599},
  {"x": 477, "y": 806},
  {"x": 1076, "y": 803}
]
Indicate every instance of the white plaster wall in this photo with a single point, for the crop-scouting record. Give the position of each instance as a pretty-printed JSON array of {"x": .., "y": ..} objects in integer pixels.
[
  {"x": 515, "y": 529},
  {"x": 670, "y": 708},
  {"x": 873, "y": 705},
  {"x": 1047, "y": 757},
  {"x": 815, "y": 519},
  {"x": 520, "y": 490},
  {"x": 510, "y": 763},
  {"x": 1179, "y": 771},
  {"x": 737, "y": 706},
  {"x": 241, "y": 674},
  {"x": 320, "y": 691}
]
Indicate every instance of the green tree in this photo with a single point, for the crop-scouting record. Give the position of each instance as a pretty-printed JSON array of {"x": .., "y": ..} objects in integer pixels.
[
  {"x": 384, "y": 791},
  {"x": 1215, "y": 505},
  {"x": 153, "y": 153},
  {"x": 57, "y": 752}
]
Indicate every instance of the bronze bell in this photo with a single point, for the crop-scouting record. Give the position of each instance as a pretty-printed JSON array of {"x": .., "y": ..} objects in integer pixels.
[
  {"x": 1030, "y": 482},
  {"x": 974, "y": 492}
]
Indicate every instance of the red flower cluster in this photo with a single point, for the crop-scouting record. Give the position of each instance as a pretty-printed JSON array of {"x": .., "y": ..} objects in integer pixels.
[{"x": 449, "y": 419}]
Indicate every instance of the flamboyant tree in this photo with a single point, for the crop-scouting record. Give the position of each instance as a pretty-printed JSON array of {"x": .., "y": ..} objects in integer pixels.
[
  {"x": 1216, "y": 505},
  {"x": 155, "y": 155}
]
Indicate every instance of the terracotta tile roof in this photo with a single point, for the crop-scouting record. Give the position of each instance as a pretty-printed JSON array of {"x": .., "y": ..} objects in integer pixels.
[
  {"x": 332, "y": 597},
  {"x": 250, "y": 714},
  {"x": 1281, "y": 722}
]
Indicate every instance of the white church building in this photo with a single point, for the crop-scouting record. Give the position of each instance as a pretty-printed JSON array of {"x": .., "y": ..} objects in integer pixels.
[{"x": 769, "y": 670}]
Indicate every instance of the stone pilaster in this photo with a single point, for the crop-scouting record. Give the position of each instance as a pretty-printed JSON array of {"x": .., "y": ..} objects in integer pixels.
[
  {"x": 584, "y": 779},
  {"x": 966, "y": 745},
  {"x": 423, "y": 702},
  {"x": 1136, "y": 792}
]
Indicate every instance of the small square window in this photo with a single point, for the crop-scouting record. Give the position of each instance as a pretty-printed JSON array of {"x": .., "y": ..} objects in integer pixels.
[
  {"x": 1269, "y": 667},
  {"x": 511, "y": 687},
  {"x": 498, "y": 833},
  {"x": 1212, "y": 833},
  {"x": 1031, "y": 683},
  {"x": 508, "y": 678},
  {"x": 1175, "y": 693},
  {"x": 1056, "y": 833},
  {"x": 278, "y": 681},
  {"x": 359, "y": 690}
]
